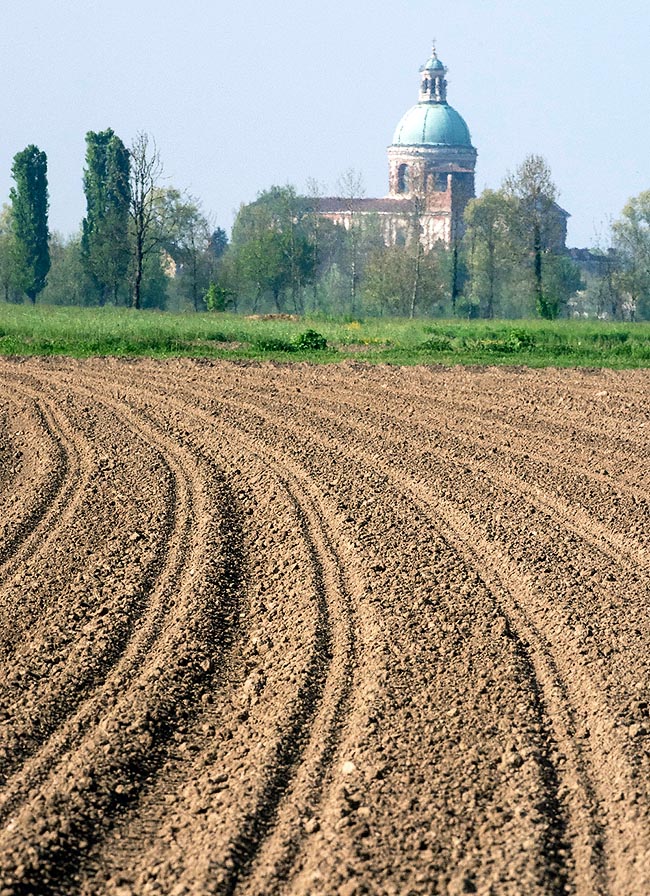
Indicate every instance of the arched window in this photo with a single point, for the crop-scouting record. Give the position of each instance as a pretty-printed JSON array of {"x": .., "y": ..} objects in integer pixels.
[{"x": 402, "y": 179}]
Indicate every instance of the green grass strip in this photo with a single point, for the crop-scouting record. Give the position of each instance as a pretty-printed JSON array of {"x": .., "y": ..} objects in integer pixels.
[{"x": 91, "y": 332}]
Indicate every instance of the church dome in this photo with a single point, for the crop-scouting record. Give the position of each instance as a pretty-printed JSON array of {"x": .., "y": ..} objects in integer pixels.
[
  {"x": 432, "y": 124},
  {"x": 433, "y": 64}
]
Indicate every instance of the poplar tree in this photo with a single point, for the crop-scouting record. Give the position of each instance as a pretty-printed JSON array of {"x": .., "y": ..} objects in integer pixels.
[
  {"x": 29, "y": 208},
  {"x": 105, "y": 229}
]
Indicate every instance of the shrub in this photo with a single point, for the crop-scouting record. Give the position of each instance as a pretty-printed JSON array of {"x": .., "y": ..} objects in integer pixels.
[
  {"x": 273, "y": 344},
  {"x": 437, "y": 344},
  {"x": 218, "y": 298},
  {"x": 311, "y": 341},
  {"x": 520, "y": 339}
]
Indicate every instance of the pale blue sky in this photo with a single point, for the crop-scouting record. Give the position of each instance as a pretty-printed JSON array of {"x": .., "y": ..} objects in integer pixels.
[{"x": 240, "y": 97}]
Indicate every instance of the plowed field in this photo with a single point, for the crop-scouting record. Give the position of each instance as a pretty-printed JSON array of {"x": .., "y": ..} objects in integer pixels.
[{"x": 323, "y": 630}]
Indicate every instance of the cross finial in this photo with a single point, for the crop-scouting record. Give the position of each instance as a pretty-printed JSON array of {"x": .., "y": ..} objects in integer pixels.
[{"x": 433, "y": 51}]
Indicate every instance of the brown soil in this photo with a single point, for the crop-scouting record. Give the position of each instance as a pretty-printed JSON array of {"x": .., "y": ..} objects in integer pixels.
[{"x": 323, "y": 630}]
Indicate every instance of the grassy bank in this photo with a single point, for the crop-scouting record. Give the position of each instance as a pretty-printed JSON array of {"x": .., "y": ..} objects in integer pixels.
[{"x": 84, "y": 332}]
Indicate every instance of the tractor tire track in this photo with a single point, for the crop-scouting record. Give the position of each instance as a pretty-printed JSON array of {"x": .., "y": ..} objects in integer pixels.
[
  {"x": 547, "y": 676},
  {"x": 376, "y": 656},
  {"x": 75, "y": 735},
  {"x": 546, "y": 680},
  {"x": 312, "y": 733},
  {"x": 56, "y": 493},
  {"x": 556, "y": 845}
]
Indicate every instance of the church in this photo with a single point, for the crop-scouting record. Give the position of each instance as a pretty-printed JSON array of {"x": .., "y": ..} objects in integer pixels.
[{"x": 431, "y": 171}]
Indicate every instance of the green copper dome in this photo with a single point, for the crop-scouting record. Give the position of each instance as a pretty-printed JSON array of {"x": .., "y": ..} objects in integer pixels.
[
  {"x": 432, "y": 124},
  {"x": 433, "y": 65}
]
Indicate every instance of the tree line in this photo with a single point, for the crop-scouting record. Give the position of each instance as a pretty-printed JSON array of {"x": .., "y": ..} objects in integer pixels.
[
  {"x": 145, "y": 245},
  {"x": 140, "y": 244}
]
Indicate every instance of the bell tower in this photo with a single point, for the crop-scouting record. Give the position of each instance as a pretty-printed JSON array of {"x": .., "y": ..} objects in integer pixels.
[{"x": 433, "y": 86}]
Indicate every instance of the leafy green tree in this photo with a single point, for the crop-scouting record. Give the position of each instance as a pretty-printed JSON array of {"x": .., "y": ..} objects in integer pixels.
[
  {"x": 219, "y": 298},
  {"x": 344, "y": 257},
  {"x": 489, "y": 248},
  {"x": 187, "y": 240},
  {"x": 272, "y": 261},
  {"x": 156, "y": 281},
  {"x": 9, "y": 277},
  {"x": 631, "y": 233},
  {"x": 218, "y": 243},
  {"x": 388, "y": 282},
  {"x": 562, "y": 279},
  {"x": 535, "y": 223},
  {"x": 514, "y": 246},
  {"x": 272, "y": 249},
  {"x": 66, "y": 281},
  {"x": 105, "y": 229},
  {"x": 29, "y": 214},
  {"x": 156, "y": 225}
]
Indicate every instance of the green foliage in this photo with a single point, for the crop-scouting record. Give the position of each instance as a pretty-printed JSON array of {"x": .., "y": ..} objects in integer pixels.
[
  {"x": 105, "y": 229},
  {"x": 185, "y": 236},
  {"x": 489, "y": 249},
  {"x": 514, "y": 246},
  {"x": 124, "y": 332},
  {"x": 150, "y": 222},
  {"x": 29, "y": 211},
  {"x": 562, "y": 279},
  {"x": 514, "y": 342},
  {"x": 9, "y": 273},
  {"x": 536, "y": 225},
  {"x": 154, "y": 291},
  {"x": 274, "y": 344},
  {"x": 66, "y": 281},
  {"x": 389, "y": 281},
  {"x": 631, "y": 280},
  {"x": 437, "y": 344},
  {"x": 218, "y": 298},
  {"x": 311, "y": 341},
  {"x": 273, "y": 252},
  {"x": 218, "y": 242}
]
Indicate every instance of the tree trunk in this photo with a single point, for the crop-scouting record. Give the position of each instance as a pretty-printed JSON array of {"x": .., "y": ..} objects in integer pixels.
[
  {"x": 137, "y": 279},
  {"x": 416, "y": 277},
  {"x": 539, "y": 291},
  {"x": 353, "y": 269},
  {"x": 353, "y": 285},
  {"x": 489, "y": 311},
  {"x": 454, "y": 278},
  {"x": 195, "y": 285}
]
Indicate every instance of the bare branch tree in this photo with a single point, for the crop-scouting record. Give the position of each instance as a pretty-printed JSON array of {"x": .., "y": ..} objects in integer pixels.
[
  {"x": 146, "y": 173},
  {"x": 350, "y": 185}
]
